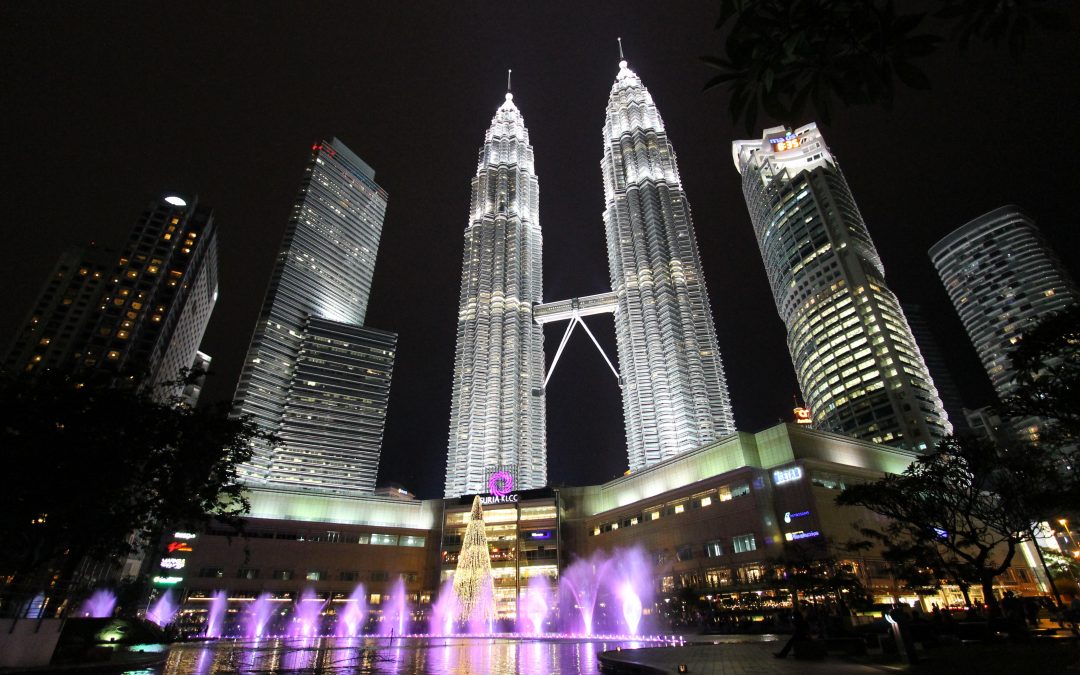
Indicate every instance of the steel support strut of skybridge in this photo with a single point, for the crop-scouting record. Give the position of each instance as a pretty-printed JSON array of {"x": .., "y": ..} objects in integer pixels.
[{"x": 573, "y": 310}]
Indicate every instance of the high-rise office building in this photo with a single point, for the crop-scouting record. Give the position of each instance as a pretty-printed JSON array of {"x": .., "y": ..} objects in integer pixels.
[
  {"x": 675, "y": 395},
  {"x": 857, "y": 363},
  {"x": 497, "y": 418},
  {"x": 137, "y": 316},
  {"x": 314, "y": 375},
  {"x": 1003, "y": 279},
  {"x": 937, "y": 365}
]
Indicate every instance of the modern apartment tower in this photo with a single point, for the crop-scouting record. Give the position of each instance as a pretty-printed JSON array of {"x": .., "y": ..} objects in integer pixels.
[
  {"x": 1003, "y": 278},
  {"x": 314, "y": 375},
  {"x": 137, "y": 316},
  {"x": 63, "y": 314},
  {"x": 497, "y": 417},
  {"x": 675, "y": 395},
  {"x": 857, "y": 363}
]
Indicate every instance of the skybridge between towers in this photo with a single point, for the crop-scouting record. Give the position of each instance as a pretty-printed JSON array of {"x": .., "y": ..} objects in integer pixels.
[{"x": 573, "y": 310}]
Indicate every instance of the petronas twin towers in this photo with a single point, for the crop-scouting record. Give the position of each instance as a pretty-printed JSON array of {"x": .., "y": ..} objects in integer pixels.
[{"x": 675, "y": 396}]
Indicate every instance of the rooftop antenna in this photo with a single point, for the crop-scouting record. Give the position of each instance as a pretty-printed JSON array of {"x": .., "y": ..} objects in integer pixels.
[
  {"x": 508, "y": 71},
  {"x": 621, "y": 57}
]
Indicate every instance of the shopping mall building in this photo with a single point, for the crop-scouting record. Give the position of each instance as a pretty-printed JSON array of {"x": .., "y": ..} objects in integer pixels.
[{"x": 724, "y": 520}]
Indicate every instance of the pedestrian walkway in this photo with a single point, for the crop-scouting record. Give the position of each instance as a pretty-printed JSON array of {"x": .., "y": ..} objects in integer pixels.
[{"x": 753, "y": 657}]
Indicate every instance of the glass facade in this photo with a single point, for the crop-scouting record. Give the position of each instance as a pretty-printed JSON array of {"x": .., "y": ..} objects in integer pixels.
[
  {"x": 313, "y": 374},
  {"x": 675, "y": 395},
  {"x": 497, "y": 419},
  {"x": 857, "y": 363},
  {"x": 1003, "y": 279}
]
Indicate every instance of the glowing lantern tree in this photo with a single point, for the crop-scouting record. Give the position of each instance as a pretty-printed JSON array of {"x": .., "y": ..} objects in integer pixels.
[{"x": 472, "y": 580}]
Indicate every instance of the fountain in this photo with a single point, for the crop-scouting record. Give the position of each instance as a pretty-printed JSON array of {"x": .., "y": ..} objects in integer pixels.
[
  {"x": 534, "y": 606},
  {"x": 395, "y": 610},
  {"x": 581, "y": 582},
  {"x": 257, "y": 618},
  {"x": 215, "y": 616},
  {"x": 163, "y": 611},
  {"x": 444, "y": 610},
  {"x": 99, "y": 605},
  {"x": 306, "y": 615},
  {"x": 352, "y": 618}
]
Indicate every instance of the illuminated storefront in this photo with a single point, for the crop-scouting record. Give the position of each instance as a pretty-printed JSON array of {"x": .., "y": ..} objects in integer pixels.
[{"x": 523, "y": 537}]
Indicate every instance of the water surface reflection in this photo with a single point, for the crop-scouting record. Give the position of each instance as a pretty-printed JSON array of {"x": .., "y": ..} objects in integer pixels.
[{"x": 436, "y": 656}]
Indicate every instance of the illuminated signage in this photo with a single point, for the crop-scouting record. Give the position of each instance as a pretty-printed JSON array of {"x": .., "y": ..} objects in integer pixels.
[
  {"x": 795, "y": 536},
  {"x": 179, "y": 547},
  {"x": 501, "y": 483},
  {"x": 787, "y": 142},
  {"x": 802, "y": 416},
  {"x": 789, "y": 516},
  {"x": 173, "y": 563},
  {"x": 183, "y": 535},
  {"x": 167, "y": 581},
  {"x": 545, "y": 534},
  {"x": 504, "y": 499},
  {"x": 788, "y": 475}
]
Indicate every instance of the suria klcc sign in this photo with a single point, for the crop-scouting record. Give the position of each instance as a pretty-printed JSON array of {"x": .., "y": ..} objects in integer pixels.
[{"x": 500, "y": 489}]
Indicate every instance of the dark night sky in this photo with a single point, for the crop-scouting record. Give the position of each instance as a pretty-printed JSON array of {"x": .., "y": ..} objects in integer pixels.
[{"x": 105, "y": 105}]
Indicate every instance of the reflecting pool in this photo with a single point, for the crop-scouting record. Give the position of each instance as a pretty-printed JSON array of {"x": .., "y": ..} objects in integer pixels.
[{"x": 450, "y": 656}]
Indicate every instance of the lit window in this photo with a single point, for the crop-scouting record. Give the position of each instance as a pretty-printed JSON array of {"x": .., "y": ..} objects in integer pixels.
[
  {"x": 705, "y": 501},
  {"x": 744, "y": 543}
]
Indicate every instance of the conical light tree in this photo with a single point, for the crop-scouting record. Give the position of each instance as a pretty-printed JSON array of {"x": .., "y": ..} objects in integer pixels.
[{"x": 472, "y": 580}]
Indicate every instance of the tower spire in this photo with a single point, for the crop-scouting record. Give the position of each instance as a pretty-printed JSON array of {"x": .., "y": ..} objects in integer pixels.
[
  {"x": 621, "y": 56},
  {"x": 508, "y": 71}
]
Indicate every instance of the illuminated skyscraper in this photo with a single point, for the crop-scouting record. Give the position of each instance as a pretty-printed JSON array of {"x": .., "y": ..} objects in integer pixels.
[
  {"x": 1003, "y": 279},
  {"x": 858, "y": 365},
  {"x": 675, "y": 395},
  {"x": 497, "y": 410},
  {"x": 314, "y": 374},
  {"x": 137, "y": 316}
]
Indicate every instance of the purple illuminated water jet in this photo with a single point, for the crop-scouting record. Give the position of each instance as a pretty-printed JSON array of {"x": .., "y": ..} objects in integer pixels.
[
  {"x": 99, "y": 605},
  {"x": 215, "y": 616},
  {"x": 353, "y": 616},
  {"x": 257, "y": 617},
  {"x": 163, "y": 610},
  {"x": 444, "y": 610},
  {"x": 395, "y": 610},
  {"x": 534, "y": 606},
  {"x": 307, "y": 615}
]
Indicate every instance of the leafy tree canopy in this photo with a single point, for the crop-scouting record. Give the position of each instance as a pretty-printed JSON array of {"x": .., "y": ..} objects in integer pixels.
[
  {"x": 964, "y": 509},
  {"x": 86, "y": 466},
  {"x": 790, "y": 57},
  {"x": 1047, "y": 366}
]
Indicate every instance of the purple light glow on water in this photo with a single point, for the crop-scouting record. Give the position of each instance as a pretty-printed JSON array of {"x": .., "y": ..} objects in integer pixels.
[
  {"x": 215, "y": 616},
  {"x": 353, "y": 616},
  {"x": 163, "y": 611},
  {"x": 100, "y": 605},
  {"x": 257, "y": 617},
  {"x": 307, "y": 615}
]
